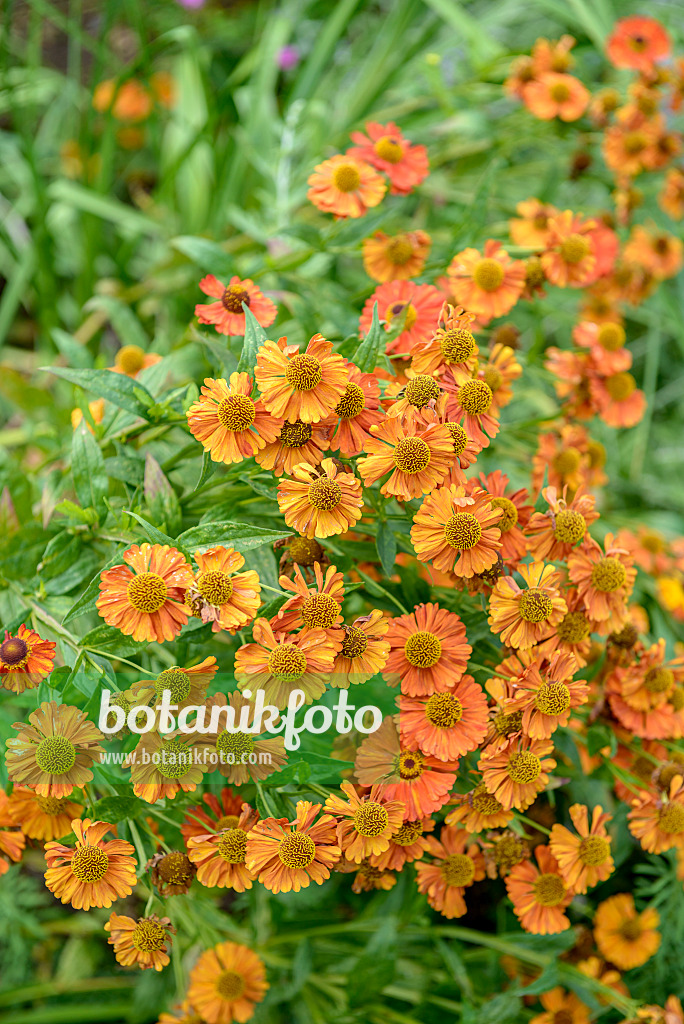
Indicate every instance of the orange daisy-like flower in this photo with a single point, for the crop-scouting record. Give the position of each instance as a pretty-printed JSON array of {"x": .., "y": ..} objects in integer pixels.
[
  {"x": 296, "y": 443},
  {"x": 25, "y": 660},
  {"x": 358, "y": 410},
  {"x": 12, "y": 839},
  {"x": 162, "y": 766},
  {"x": 396, "y": 258},
  {"x": 227, "y": 314},
  {"x": 658, "y": 822},
  {"x": 144, "y": 943},
  {"x": 451, "y": 347},
  {"x": 345, "y": 186},
  {"x": 421, "y": 782},
  {"x": 220, "y": 856},
  {"x": 300, "y": 386},
  {"x": 456, "y": 864},
  {"x": 144, "y": 598},
  {"x": 630, "y": 146},
  {"x": 488, "y": 283},
  {"x": 289, "y": 855},
  {"x": 317, "y": 608},
  {"x": 53, "y": 753},
  {"x": 570, "y": 257},
  {"x": 228, "y": 423},
  {"x": 457, "y": 532},
  {"x": 42, "y": 817},
  {"x": 95, "y": 873},
  {"x": 618, "y": 400},
  {"x": 584, "y": 858},
  {"x": 235, "y": 748},
  {"x": 560, "y": 1005},
  {"x": 407, "y": 845},
  {"x": 364, "y": 651},
  {"x": 524, "y": 617},
  {"x": 572, "y": 634},
  {"x": 556, "y": 95},
  {"x": 385, "y": 148},
  {"x": 604, "y": 580},
  {"x": 320, "y": 502},
  {"x": 429, "y": 651},
  {"x": 645, "y": 694},
  {"x": 416, "y": 455},
  {"x": 410, "y": 312},
  {"x": 565, "y": 457},
  {"x": 671, "y": 198},
  {"x": 368, "y": 821},
  {"x": 553, "y": 534},
  {"x": 131, "y": 359},
  {"x": 518, "y": 772},
  {"x": 499, "y": 372},
  {"x": 539, "y": 895},
  {"x": 516, "y": 514},
  {"x": 278, "y": 663},
  {"x": 623, "y": 936},
  {"x": 220, "y": 594},
  {"x": 531, "y": 228},
  {"x": 219, "y": 814},
  {"x": 478, "y": 810},
  {"x": 637, "y": 42},
  {"x": 470, "y": 403},
  {"x": 465, "y": 453},
  {"x": 226, "y": 983},
  {"x": 448, "y": 724},
  {"x": 547, "y": 696}
]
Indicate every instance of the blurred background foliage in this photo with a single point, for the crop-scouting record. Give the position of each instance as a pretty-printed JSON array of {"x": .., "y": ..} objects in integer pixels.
[{"x": 105, "y": 231}]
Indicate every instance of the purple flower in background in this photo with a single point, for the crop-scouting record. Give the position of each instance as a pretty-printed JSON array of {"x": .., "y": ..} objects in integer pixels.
[
  {"x": 288, "y": 58},
  {"x": 192, "y": 5}
]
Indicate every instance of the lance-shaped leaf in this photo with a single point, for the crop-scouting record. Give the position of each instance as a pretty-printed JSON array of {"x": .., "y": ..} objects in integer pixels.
[
  {"x": 160, "y": 496},
  {"x": 88, "y": 470},
  {"x": 117, "y": 388},
  {"x": 255, "y": 336}
]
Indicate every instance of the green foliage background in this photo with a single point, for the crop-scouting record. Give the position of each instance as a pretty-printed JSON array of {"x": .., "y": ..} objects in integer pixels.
[{"x": 114, "y": 258}]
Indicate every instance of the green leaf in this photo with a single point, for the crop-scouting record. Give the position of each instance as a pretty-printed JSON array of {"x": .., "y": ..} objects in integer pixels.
[
  {"x": 152, "y": 533},
  {"x": 599, "y": 736},
  {"x": 88, "y": 470},
  {"x": 255, "y": 336},
  {"x": 77, "y": 353},
  {"x": 161, "y": 499},
  {"x": 86, "y": 602},
  {"x": 119, "y": 808},
  {"x": 208, "y": 468},
  {"x": 117, "y": 388},
  {"x": 371, "y": 351},
  {"x": 206, "y": 254},
  {"x": 240, "y": 536},
  {"x": 81, "y": 515},
  {"x": 386, "y": 544}
]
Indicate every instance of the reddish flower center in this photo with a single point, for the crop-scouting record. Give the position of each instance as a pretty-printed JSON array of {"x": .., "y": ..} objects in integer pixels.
[{"x": 397, "y": 309}]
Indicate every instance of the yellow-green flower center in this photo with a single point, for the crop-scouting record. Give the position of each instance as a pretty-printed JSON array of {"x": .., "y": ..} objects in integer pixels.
[
  {"x": 659, "y": 680},
  {"x": 399, "y": 250},
  {"x": 608, "y": 575},
  {"x": 422, "y": 389},
  {"x": 324, "y": 494},
  {"x": 346, "y": 177},
  {"x": 573, "y": 628},
  {"x": 552, "y": 699},
  {"x": 287, "y": 662},
  {"x": 176, "y": 681},
  {"x": 353, "y": 401},
  {"x": 574, "y": 249},
  {"x": 524, "y": 767},
  {"x": 55, "y": 755},
  {"x": 230, "y": 985},
  {"x": 549, "y": 890},
  {"x": 175, "y": 760},
  {"x": 510, "y": 513},
  {"x": 232, "y": 846},
  {"x": 488, "y": 274},
  {"x": 611, "y": 336},
  {"x": 457, "y": 346},
  {"x": 443, "y": 710},
  {"x": 475, "y": 397},
  {"x": 232, "y": 745},
  {"x": 535, "y": 605},
  {"x": 130, "y": 359},
  {"x": 148, "y": 936},
  {"x": 620, "y": 386},
  {"x": 570, "y": 526},
  {"x": 671, "y": 819},
  {"x": 567, "y": 461},
  {"x": 457, "y": 869},
  {"x": 389, "y": 149},
  {"x": 594, "y": 850}
]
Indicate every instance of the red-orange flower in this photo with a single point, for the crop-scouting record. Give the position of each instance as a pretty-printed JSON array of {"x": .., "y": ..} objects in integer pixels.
[
  {"x": 345, "y": 186},
  {"x": 429, "y": 651},
  {"x": 25, "y": 659},
  {"x": 570, "y": 257},
  {"x": 410, "y": 312},
  {"x": 320, "y": 502},
  {"x": 289, "y": 855},
  {"x": 448, "y": 724},
  {"x": 658, "y": 821},
  {"x": 584, "y": 858},
  {"x": 457, "y": 532},
  {"x": 228, "y": 423},
  {"x": 220, "y": 594},
  {"x": 604, "y": 581},
  {"x": 416, "y": 455},
  {"x": 637, "y": 42},
  {"x": 556, "y": 95},
  {"x": 457, "y": 863},
  {"x": 524, "y": 617},
  {"x": 539, "y": 895},
  {"x": 367, "y": 822},
  {"x": 489, "y": 283},
  {"x": 296, "y": 443},
  {"x": 386, "y": 149},
  {"x": 298, "y": 385},
  {"x": 554, "y": 533},
  {"x": 516, "y": 514},
  {"x": 395, "y": 258},
  {"x": 227, "y": 314},
  {"x": 358, "y": 410},
  {"x": 94, "y": 873},
  {"x": 518, "y": 772}
]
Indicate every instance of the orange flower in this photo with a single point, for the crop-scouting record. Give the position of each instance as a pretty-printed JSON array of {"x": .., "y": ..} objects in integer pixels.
[
  {"x": 42, "y": 817},
  {"x": 516, "y": 514},
  {"x": 421, "y": 782},
  {"x": 278, "y": 663},
  {"x": 407, "y": 845},
  {"x": 572, "y": 634},
  {"x": 428, "y": 651},
  {"x": 456, "y": 865},
  {"x": 661, "y": 253},
  {"x": 240, "y": 756},
  {"x": 220, "y": 856},
  {"x": 289, "y": 855},
  {"x": 553, "y": 534},
  {"x": 358, "y": 410},
  {"x": 448, "y": 724},
  {"x": 556, "y": 95},
  {"x": 546, "y": 696},
  {"x": 478, "y": 810},
  {"x": 539, "y": 895},
  {"x": 131, "y": 359},
  {"x": 95, "y": 873},
  {"x": 320, "y": 502},
  {"x": 171, "y": 873},
  {"x": 499, "y": 372},
  {"x": 561, "y": 1006},
  {"x": 489, "y": 283},
  {"x": 630, "y": 146},
  {"x": 226, "y": 983},
  {"x": 317, "y": 608},
  {"x": 145, "y": 601},
  {"x": 637, "y": 42},
  {"x": 12, "y": 839},
  {"x": 161, "y": 766},
  {"x": 386, "y": 149},
  {"x": 227, "y": 314},
  {"x": 626, "y": 938},
  {"x": 643, "y": 695},
  {"x": 584, "y": 860},
  {"x": 55, "y": 752},
  {"x": 144, "y": 943},
  {"x": 364, "y": 651},
  {"x": 395, "y": 258},
  {"x": 128, "y": 101},
  {"x": 517, "y": 773},
  {"x": 452, "y": 346},
  {"x": 220, "y": 594},
  {"x": 671, "y": 198},
  {"x": 604, "y": 582},
  {"x": 228, "y": 423},
  {"x": 345, "y": 186},
  {"x": 524, "y": 617},
  {"x": 96, "y": 410},
  {"x": 25, "y": 660},
  {"x": 417, "y": 456},
  {"x": 568, "y": 457},
  {"x": 470, "y": 403},
  {"x": 186, "y": 686},
  {"x": 457, "y": 532},
  {"x": 618, "y": 400},
  {"x": 296, "y": 443},
  {"x": 368, "y": 821},
  {"x": 221, "y": 814},
  {"x": 410, "y": 312},
  {"x": 553, "y": 55},
  {"x": 658, "y": 822},
  {"x": 296, "y": 385},
  {"x": 465, "y": 453},
  {"x": 570, "y": 257},
  {"x": 532, "y": 227}
]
